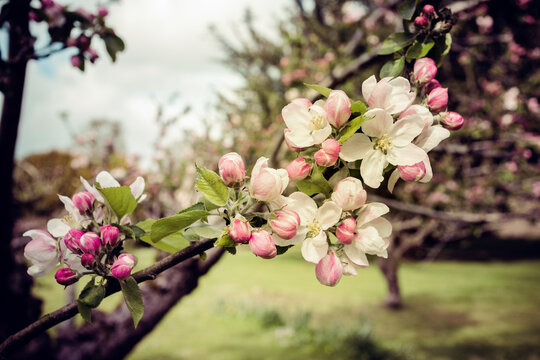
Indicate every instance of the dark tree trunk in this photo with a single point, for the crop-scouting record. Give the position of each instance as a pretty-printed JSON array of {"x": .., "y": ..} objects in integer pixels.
[
  {"x": 389, "y": 268},
  {"x": 19, "y": 307}
]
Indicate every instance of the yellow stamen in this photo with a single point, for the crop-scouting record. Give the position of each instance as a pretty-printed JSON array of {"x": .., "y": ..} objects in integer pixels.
[
  {"x": 314, "y": 229},
  {"x": 384, "y": 143}
]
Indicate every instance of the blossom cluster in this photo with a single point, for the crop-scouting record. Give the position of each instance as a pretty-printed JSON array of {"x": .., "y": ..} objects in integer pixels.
[{"x": 89, "y": 239}]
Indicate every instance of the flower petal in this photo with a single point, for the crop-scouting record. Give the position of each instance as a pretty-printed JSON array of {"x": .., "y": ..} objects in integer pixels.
[
  {"x": 300, "y": 138},
  {"x": 91, "y": 189},
  {"x": 404, "y": 131},
  {"x": 429, "y": 172},
  {"x": 296, "y": 116},
  {"x": 432, "y": 137},
  {"x": 367, "y": 86},
  {"x": 314, "y": 249},
  {"x": 137, "y": 187},
  {"x": 379, "y": 123},
  {"x": 57, "y": 227},
  {"x": 372, "y": 168},
  {"x": 369, "y": 212},
  {"x": 356, "y": 147},
  {"x": 319, "y": 136},
  {"x": 328, "y": 214},
  {"x": 297, "y": 239},
  {"x": 304, "y": 206},
  {"x": 106, "y": 180},
  {"x": 356, "y": 256},
  {"x": 406, "y": 155},
  {"x": 383, "y": 226}
]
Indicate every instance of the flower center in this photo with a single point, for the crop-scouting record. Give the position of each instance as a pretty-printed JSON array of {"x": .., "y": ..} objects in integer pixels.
[
  {"x": 314, "y": 229},
  {"x": 384, "y": 143},
  {"x": 317, "y": 122}
]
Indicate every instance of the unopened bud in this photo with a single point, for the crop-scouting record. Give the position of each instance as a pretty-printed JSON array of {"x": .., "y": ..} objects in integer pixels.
[
  {"x": 102, "y": 11},
  {"x": 262, "y": 244},
  {"x": 329, "y": 270},
  {"x": 239, "y": 231},
  {"x": 121, "y": 268},
  {"x": 331, "y": 147},
  {"x": 349, "y": 194},
  {"x": 90, "y": 243},
  {"x": 337, "y": 108},
  {"x": 75, "y": 61},
  {"x": 88, "y": 260},
  {"x": 451, "y": 120},
  {"x": 428, "y": 9},
  {"x": 72, "y": 240},
  {"x": 231, "y": 168},
  {"x": 345, "y": 230},
  {"x": 83, "y": 201},
  {"x": 420, "y": 22},
  {"x": 438, "y": 99},
  {"x": 424, "y": 70},
  {"x": 298, "y": 169},
  {"x": 431, "y": 85},
  {"x": 286, "y": 224},
  {"x": 110, "y": 235},
  {"x": 324, "y": 159},
  {"x": 65, "y": 276},
  {"x": 412, "y": 172}
]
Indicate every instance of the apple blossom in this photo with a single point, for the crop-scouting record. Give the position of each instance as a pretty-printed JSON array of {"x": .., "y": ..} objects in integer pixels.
[
  {"x": 298, "y": 169},
  {"x": 286, "y": 224},
  {"x": 437, "y": 99},
  {"x": 451, "y": 120},
  {"x": 392, "y": 95},
  {"x": 349, "y": 194},
  {"x": 90, "y": 243},
  {"x": 66, "y": 276},
  {"x": 110, "y": 235},
  {"x": 322, "y": 158},
  {"x": 266, "y": 183},
  {"x": 42, "y": 251},
  {"x": 121, "y": 268},
  {"x": 424, "y": 70},
  {"x": 240, "y": 231},
  {"x": 337, "y": 108},
  {"x": 345, "y": 230},
  {"x": 329, "y": 270},
  {"x": 412, "y": 172},
  {"x": 262, "y": 244},
  {"x": 308, "y": 126},
  {"x": 72, "y": 240},
  {"x": 231, "y": 168}
]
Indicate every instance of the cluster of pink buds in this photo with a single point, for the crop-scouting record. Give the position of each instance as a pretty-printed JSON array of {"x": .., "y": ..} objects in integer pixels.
[{"x": 428, "y": 13}]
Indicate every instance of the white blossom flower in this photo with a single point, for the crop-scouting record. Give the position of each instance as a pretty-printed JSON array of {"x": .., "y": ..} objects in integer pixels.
[
  {"x": 42, "y": 251},
  {"x": 392, "y": 95},
  {"x": 308, "y": 125}
]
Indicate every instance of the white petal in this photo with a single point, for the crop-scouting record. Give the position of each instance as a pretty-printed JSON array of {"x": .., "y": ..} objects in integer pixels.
[
  {"x": 369, "y": 212},
  {"x": 304, "y": 206},
  {"x": 277, "y": 203},
  {"x": 106, "y": 180},
  {"x": 432, "y": 137},
  {"x": 328, "y": 214},
  {"x": 392, "y": 180},
  {"x": 372, "y": 168},
  {"x": 284, "y": 178},
  {"x": 404, "y": 131},
  {"x": 319, "y": 136},
  {"x": 57, "y": 227},
  {"x": 380, "y": 95},
  {"x": 261, "y": 163},
  {"x": 300, "y": 138},
  {"x": 296, "y": 116},
  {"x": 137, "y": 187},
  {"x": 406, "y": 155},
  {"x": 42, "y": 269},
  {"x": 379, "y": 123},
  {"x": 91, "y": 189},
  {"x": 68, "y": 204},
  {"x": 370, "y": 242},
  {"x": 356, "y": 256},
  {"x": 429, "y": 172},
  {"x": 383, "y": 226},
  {"x": 356, "y": 147},
  {"x": 367, "y": 86},
  {"x": 297, "y": 239},
  {"x": 314, "y": 249}
]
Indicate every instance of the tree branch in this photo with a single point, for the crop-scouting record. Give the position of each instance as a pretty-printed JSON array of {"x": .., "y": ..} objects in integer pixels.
[{"x": 68, "y": 311}]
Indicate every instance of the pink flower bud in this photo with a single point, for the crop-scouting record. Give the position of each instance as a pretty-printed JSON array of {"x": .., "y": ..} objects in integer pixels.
[
  {"x": 298, "y": 169},
  {"x": 324, "y": 159},
  {"x": 75, "y": 61},
  {"x": 302, "y": 101},
  {"x": 88, "y": 260},
  {"x": 331, "y": 147},
  {"x": 428, "y": 9},
  {"x": 329, "y": 270},
  {"x": 102, "y": 11},
  {"x": 286, "y": 224},
  {"x": 72, "y": 240},
  {"x": 83, "y": 201},
  {"x": 420, "y": 22},
  {"x": 424, "y": 70},
  {"x": 121, "y": 268},
  {"x": 337, "y": 108},
  {"x": 231, "y": 168},
  {"x": 239, "y": 231},
  {"x": 92, "y": 55},
  {"x": 412, "y": 172},
  {"x": 432, "y": 84},
  {"x": 65, "y": 276},
  {"x": 289, "y": 143},
  {"x": 262, "y": 244},
  {"x": 90, "y": 243},
  {"x": 110, "y": 235},
  {"x": 349, "y": 194},
  {"x": 32, "y": 16},
  {"x": 438, "y": 99},
  {"x": 267, "y": 184},
  {"x": 451, "y": 120},
  {"x": 345, "y": 230}
]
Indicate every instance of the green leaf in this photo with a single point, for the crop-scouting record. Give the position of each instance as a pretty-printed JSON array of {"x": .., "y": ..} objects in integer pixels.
[
  {"x": 315, "y": 184},
  {"x": 333, "y": 238},
  {"x": 320, "y": 89},
  {"x": 445, "y": 48},
  {"x": 119, "y": 199},
  {"x": 208, "y": 232},
  {"x": 172, "y": 224},
  {"x": 395, "y": 42},
  {"x": 208, "y": 205},
  {"x": 393, "y": 68},
  {"x": 351, "y": 128},
  {"x": 113, "y": 44},
  {"x": 133, "y": 297},
  {"x": 85, "y": 311},
  {"x": 225, "y": 241},
  {"x": 196, "y": 206},
  {"x": 137, "y": 230},
  {"x": 358, "y": 107},
  {"x": 283, "y": 249},
  {"x": 406, "y": 9},
  {"x": 171, "y": 243},
  {"x": 212, "y": 186},
  {"x": 92, "y": 294},
  {"x": 418, "y": 50}
]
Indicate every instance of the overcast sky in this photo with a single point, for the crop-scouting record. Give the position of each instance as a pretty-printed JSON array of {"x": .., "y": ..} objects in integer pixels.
[{"x": 168, "y": 49}]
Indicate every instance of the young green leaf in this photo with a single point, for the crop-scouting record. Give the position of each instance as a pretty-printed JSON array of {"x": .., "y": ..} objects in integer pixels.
[
  {"x": 406, "y": 9},
  {"x": 133, "y": 297},
  {"x": 320, "y": 89},
  {"x": 225, "y": 241},
  {"x": 392, "y": 68},
  {"x": 85, "y": 311},
  {"x": 208, "y": 232},
  {"x": 172, "y": 224},
  {"x": 212, "y": 186},
  {"x": 418, "y": 50},
  {"x": 119, "y": 199},
  {"x": 395, "y": 42},
  {"x": 113, "y": 44},
  {"x": 351, "y": 127},
  {"x": 358, "y": 107},
  {"x": 171, "y": 243},
  {"x": 315, "y": 184},
  {"x": 92, "y": 294}
]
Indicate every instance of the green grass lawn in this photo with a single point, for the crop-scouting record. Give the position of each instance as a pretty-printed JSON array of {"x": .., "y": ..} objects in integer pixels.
[{"x": 250, "y": 308}]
